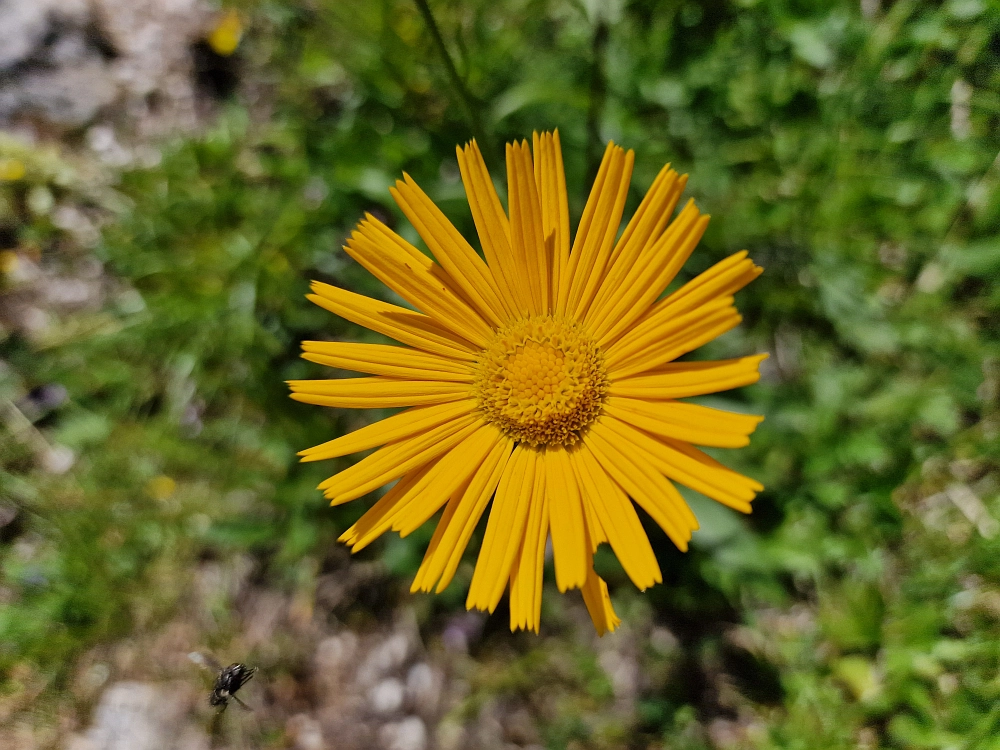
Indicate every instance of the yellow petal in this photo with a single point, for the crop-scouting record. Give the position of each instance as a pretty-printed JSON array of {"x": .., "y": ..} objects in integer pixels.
[
  {"x": 405, "y": 326},
  {"x": 685, "y": 379},
  {"x": 550, "y": 179},
  {"x": 467, "y": 515},
  {"x": 652, "y": 340},
  {"x": 422, "y": 497},
  {"x": 650, "y": 275},
  {"x": 748, "y": 484},
  {"x": 421, "y": 581},
  {"x": 416, "y": 278},
  {"x": 395, "y": 460},
  {"x": 724, "y": 278},
  {"x": 716, "y": 482},
  {"x": 566, "y": 519},
  {"x": 411, "y": 422},
  {"x": 666, "y": 420},
  {"x": 596, "y": 234},
  {"x": 492, "y": 225},
  {"x": 377, "y": 519},
  {"x": 376, "y": 393},
  {"x": 526, "y": 238},
  {"x": 642, "y": 231},
  {"x": 653, "y": 214},
  {"x": 694, "y": 415},
  {"x": 596, "y": 534},
  {"x": 529, "y": 564},
  {"x": 568, "y": 272},
  {"x": 392, "y": 361},
  {"x": 703, "y": 293},
  {"x": 403, "y": 504},
  {"x": 619, "y": 520},
  {"x": 455, "y": 255},
  {"x": 598, "y": 601},
  {"x": 460, "y": 518},
  {"x": 448, "y": 475},
  {"x": 504, "y": 530},
  {"x": 632, "y": 470},
  {"x": 698, "y": 334}
]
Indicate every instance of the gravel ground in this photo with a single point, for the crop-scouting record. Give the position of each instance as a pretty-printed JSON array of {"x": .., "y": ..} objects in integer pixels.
[{"x": 67, "y": 65}]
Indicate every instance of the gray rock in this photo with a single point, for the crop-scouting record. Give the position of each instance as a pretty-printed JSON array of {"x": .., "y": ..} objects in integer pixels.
[
  {"x": 64, "y": 63},
  {"x": 387, "y": 696},
  {"x": 408, "y": 734},
  {"x": 24, "y": 25},
  {"x": 70, "y": 96},
  {"x": 389, "y": 655},
  {"x": 140, "y": 716},
  {"x": 305, "y": 732},
  {"x": 423, "y": 688}
]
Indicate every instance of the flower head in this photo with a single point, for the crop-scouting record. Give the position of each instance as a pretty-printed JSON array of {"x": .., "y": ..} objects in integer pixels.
[{"x": 541, "y": 376}]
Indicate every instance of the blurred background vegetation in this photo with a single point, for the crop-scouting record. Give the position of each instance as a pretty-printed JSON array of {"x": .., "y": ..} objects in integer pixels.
[{"x": 851, "y": 149}]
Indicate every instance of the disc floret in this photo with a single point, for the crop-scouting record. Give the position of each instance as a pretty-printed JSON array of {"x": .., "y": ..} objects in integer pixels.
[{"x": 541, "y": 381}]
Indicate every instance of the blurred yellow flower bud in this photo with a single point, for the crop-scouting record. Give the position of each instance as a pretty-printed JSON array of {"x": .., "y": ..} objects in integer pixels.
[
  {"x": 226, "y": 35},
  {"x": 11, "y": 169},
  {"x": 161, "y": 487}
]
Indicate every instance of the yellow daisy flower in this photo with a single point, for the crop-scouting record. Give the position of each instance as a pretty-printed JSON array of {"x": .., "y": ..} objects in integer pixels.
[{"x": 543, "y": 377}]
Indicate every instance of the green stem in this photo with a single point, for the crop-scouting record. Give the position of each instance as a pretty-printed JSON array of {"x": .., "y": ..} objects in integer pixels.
[
  {"x": 469, "y": 103},
  {"x": 598, "y": 94}
]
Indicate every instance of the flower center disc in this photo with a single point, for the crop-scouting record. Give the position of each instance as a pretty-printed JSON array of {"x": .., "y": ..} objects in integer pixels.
[{"x": 541, "y": 381}]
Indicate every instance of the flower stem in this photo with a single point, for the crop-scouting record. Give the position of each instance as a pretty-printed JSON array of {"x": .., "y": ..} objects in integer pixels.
[
  {"x": 468, "y": 101},
  {"x": 598, "y": 93}
]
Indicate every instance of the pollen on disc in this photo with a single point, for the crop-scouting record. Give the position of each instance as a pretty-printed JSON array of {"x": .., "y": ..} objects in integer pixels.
[{"x": 541, "y": 381}]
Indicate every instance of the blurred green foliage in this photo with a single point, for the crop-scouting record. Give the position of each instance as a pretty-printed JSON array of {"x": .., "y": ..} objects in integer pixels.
[{"x": 854, "y": 156}]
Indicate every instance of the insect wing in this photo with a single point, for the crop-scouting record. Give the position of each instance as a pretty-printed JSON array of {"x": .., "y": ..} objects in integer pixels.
[
  {"x": 236, "y": 676},
  {"x": 206, "y": 661}
]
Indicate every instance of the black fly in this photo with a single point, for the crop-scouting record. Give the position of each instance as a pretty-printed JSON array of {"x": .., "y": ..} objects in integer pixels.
[
  {"x": 231, "y": 679},
  {"x": 227, "y": 682}
]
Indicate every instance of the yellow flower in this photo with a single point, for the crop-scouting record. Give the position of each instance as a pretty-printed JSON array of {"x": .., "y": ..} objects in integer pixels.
[
  {"x": 226, "y": 36},
  {"x": 161, "y": 487},
  {"x": 543, "y": 377},
  {"x": 11, "y": 170}
]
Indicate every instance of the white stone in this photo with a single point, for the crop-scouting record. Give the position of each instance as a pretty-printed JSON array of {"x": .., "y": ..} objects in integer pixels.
[
  {"x": 408, "y": 734},
  {"x": 136, "y": 716},
  {"x": 389, "y": 655},
  {"x": 423, "y": 687},
  {"x": 306, "y": 732},
  {"x": 387, "y": 696}
]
